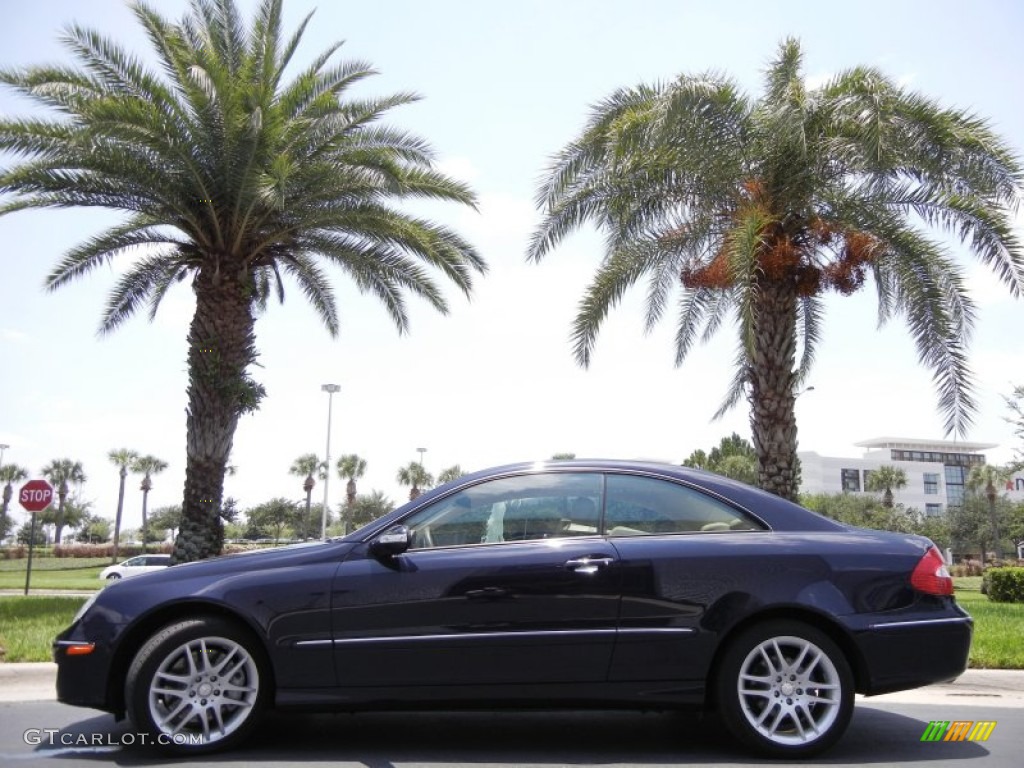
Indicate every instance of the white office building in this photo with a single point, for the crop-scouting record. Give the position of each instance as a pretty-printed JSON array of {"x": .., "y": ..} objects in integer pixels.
[{"x": 936, "y": 471}]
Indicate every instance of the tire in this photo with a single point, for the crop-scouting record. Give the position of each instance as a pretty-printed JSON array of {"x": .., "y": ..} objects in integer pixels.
[
  {"x": 197, "y": 686},
  {"x": 114, "y": 577},
  {"x": 785, "y": 689}
]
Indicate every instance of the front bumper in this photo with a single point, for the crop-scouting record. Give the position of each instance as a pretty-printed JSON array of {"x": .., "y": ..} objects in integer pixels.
[{"x": 82, "y": 679}]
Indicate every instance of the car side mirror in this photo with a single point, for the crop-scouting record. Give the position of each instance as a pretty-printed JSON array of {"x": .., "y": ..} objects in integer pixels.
[{"x": 394, "y": 541}]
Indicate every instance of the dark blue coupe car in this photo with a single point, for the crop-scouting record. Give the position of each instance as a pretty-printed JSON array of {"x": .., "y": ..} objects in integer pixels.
[{"x": 560, "y": 584}]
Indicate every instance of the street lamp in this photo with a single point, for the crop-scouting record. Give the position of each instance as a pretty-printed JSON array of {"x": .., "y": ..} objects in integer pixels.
[
  {"x": 330, "y": 389},
  {"x": 421, "y": 452},
  {"x": 3, "y": 447}
]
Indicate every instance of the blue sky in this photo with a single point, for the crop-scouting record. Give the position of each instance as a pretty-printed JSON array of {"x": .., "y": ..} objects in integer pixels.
[{"x": 504, "y": 86}]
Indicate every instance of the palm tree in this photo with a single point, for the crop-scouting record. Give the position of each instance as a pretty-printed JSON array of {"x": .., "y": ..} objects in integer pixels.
[
  {"x": 122, "y": 459},
  {"x": 755, "y": 209},
  {"x": 306, "y": 465},
  {"x": 9, "y": 474},
  {"x": 454, "y": 472},
  {"x": 352, "y": 467},
  {"x": 415, "y": 476},
  {"x": 60, "y": 472},
  {"x": 147, "y": 466},
  {"x": 232, "y": 179},
  {"x": 885, "y": 479},
  {"x": 984, "y": 478}
]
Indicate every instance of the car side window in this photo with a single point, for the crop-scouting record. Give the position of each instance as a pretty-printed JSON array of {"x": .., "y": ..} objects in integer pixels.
[
  {"x": 521, "y": 508},
  {"x": 638, "y": 506},
  {"x": 133, "y": 562}
]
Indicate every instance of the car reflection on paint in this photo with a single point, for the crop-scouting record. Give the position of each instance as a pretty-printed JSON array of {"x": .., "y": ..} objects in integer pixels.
[{"x": 560, "y": 584}]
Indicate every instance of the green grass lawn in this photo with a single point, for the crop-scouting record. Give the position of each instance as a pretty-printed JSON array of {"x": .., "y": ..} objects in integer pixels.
[
  {"x": 998, "y": 629},
  {"x": 29, "y": 624},
  {"x": 54, "y": 573}
]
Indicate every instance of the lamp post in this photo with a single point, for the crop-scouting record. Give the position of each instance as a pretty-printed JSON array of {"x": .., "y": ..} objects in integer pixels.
[
  {"x": 421, "y": 451},
  {"x": 330, "y": 389},
  {"x": 3, "y": 447}
]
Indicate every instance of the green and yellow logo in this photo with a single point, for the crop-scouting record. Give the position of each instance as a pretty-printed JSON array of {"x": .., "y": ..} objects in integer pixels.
[{"x": 958, "y": 730}]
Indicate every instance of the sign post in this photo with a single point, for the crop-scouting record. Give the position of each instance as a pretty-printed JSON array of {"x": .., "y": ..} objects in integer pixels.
[{"x": 34, "y": 496}]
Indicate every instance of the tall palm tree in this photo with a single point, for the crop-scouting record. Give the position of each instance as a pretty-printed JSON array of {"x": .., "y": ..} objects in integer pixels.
[
  {"x": 305, "y": 466},
  {"x": 755, "y": 209},
  {"x": 454, "y": 472},
  {"x": 9, "y": 474},
  {"x": 984, "y": 478},
  {"x": 415, "y": 476},
  {"x": 232, "y": 179},
  {"x": 147, "y": 466},
  {"x": 61, "y": 472},
  {"x": 886, "y": 479},
  {"x": 352, "y": 467},
  {"x": 123, "y": 459}
]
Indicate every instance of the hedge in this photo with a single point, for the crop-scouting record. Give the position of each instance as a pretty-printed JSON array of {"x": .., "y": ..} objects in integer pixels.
[{"x": 1004, "y": 585}]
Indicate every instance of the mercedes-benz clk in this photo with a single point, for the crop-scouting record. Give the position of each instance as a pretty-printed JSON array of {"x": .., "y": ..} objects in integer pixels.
[{"x": 564, "y": 584}]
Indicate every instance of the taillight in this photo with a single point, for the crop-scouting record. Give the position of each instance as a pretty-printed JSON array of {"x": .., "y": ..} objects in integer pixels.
[{"x": 931, "y": 575}]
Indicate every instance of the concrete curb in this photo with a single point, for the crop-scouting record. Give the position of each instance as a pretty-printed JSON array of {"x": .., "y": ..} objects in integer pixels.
[{"x": 976, "y": 687}]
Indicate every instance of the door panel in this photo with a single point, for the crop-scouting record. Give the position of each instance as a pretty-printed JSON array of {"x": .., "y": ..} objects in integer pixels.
[
  {"x": 482, "y": 614},
  {"x": 507, "y": 582}
]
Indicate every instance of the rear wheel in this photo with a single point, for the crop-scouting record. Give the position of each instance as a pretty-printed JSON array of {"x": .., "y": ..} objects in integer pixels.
[
  {"x": 785, "y": 689},
  {"x": 197, "y": 686}
]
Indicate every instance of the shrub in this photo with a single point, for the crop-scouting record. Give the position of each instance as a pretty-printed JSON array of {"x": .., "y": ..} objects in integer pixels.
[
  {"x": 967, "y": 568},
  {"x": 1004, "y": 585}
]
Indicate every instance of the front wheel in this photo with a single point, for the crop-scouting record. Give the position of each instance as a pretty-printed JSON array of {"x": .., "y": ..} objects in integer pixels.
[
  {"x": 197, "y": 686},
  {"x": 785, "y": 689}
]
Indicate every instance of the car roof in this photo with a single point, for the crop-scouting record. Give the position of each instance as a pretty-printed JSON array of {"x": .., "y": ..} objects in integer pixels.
[{"x": 780, "y": 514}]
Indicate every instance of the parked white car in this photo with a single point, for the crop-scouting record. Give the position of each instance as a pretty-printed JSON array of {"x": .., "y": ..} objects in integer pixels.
[{"x": 134, "y": 566}]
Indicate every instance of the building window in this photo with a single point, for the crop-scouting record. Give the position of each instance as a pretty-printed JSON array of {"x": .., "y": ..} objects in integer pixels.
[
  {"x": 955, "y": 481},
  {"x": 931, "y": 483},
  {"x": 933, "y": 510},
  {"x": 851, "y": 479}
]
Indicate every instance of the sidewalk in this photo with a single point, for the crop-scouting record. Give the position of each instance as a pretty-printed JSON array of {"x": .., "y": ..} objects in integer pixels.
[{"x": 976, "y": 687}]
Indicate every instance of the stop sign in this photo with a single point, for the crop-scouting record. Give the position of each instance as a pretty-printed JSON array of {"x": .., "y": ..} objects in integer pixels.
[{"x": 35, "y": 495}]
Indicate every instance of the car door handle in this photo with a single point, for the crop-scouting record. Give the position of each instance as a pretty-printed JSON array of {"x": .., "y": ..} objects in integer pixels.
[{"x": 588, "y": 565}]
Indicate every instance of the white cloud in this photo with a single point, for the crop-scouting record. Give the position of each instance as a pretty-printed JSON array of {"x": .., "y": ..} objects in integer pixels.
[
  {"x": 460, "y": 167},
  {"x": 14, "y": 335},
  {"x": 817, "y": 80}
]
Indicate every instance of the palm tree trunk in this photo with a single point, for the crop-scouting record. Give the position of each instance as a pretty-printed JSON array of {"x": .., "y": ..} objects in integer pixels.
[
  {"x": 117, "y": 518},
  {"x": 221, "y": 347},
  {"x": 145, "y": 495},
  {"x": 990, "y": 492},
  {"x": 8, "y": 493},
  {"x": 62, "y": 494},
  {"x": 772, "y": 378}
]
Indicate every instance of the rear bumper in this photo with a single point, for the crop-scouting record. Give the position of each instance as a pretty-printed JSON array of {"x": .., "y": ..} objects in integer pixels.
[{"x": 913, "y": 652}]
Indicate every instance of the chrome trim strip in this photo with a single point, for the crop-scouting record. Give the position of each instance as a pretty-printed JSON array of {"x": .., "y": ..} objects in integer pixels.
[
  {"x": 69, "y": 643},
  {"x": 657, "y": 630},
  {"x": 473, "y": 636},
  {"x": 482, "y": 635},
  {"x": 921, "y": 622}
]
